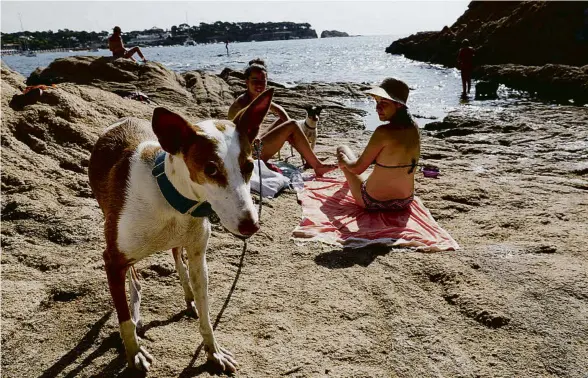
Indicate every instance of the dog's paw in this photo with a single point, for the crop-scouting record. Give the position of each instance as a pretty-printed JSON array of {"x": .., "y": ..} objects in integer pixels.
[
  {"x": 140, "y": 328},
  {"x": 142, "y": 360},
  {"x": 223, "y": 358},
  {"x": 191, "y": 309}
]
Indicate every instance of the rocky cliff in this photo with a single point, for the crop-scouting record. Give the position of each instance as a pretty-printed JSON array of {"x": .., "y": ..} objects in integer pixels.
[{"x": 526, "y": 33}]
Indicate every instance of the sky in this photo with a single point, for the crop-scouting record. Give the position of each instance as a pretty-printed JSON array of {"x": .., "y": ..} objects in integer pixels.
[{"x": 353, "y": 17}]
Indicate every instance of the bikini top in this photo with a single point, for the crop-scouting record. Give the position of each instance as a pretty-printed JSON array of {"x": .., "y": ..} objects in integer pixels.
[{"x": 412, "y": 166}]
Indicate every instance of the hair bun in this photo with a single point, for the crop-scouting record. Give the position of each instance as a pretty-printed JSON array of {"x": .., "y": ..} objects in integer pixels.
[{"x": 257, "y": 61}]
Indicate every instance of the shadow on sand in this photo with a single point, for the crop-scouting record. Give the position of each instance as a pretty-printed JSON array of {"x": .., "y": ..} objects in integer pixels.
[
  {"x": 348, "y": 257},
  {"x": 118, "y": 366},
  {"x": 113, "y": 341}
]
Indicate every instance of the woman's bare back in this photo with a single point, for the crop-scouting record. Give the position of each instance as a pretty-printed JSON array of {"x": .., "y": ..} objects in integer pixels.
[{"x": 393, "y": 175}]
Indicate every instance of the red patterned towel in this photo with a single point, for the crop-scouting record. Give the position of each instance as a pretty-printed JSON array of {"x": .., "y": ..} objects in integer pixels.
[{"x": 330, "y": 215}]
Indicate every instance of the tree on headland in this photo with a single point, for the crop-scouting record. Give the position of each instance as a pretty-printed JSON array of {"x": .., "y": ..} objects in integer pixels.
[{"x": 218, "y": 31}]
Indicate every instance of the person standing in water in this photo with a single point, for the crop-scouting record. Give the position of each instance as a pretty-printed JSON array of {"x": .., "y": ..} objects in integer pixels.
[
  {"x": 465, "y": 62},
  {"x": 227, "y": 46}
]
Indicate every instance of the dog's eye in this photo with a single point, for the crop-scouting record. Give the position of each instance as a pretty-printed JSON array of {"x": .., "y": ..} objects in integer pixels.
[
  {"x": 210, "y": 169},
  {"x": 248, "y": 167}
]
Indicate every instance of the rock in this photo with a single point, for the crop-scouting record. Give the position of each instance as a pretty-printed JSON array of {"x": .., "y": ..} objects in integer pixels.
[
  {"x": 538, "y": 61},
  {"x": 486, "y": 89},
  {"x": 122, "y": 76},
  {"x": 551, "y": 81},
  {"x": 507, "y": 32},
  {"x": 335, "y": 117},
  {"x": 333, "y": 33}
]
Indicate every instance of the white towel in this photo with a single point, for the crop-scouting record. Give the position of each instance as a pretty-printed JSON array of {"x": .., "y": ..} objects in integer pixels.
[{"x": 272, "y": 181}]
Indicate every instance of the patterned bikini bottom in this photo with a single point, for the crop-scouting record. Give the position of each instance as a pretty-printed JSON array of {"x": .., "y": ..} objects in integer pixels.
[{"x": 372, "y": 204}]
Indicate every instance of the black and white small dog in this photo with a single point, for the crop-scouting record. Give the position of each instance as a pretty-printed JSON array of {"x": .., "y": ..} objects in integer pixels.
[
  {"x": 486, "y": 89},
  {"x": 309, "y": 126}
]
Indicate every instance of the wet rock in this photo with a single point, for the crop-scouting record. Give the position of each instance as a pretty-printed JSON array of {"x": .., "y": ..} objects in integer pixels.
[{"x": 551, "y": 81}]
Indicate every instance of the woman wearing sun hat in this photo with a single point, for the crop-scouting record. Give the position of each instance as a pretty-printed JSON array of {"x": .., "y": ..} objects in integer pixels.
[{"x": 394, "y": 149}]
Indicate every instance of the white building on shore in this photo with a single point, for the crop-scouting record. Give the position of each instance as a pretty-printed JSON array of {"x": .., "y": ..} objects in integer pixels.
[{"x": 153, "y": 36}]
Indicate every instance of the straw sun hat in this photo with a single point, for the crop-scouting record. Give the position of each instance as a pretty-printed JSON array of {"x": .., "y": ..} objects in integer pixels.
[{"x": 391, "y": 89}]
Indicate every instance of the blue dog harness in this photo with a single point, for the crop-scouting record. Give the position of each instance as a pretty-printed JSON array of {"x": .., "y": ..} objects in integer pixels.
[{"x": 173, "y": 197}]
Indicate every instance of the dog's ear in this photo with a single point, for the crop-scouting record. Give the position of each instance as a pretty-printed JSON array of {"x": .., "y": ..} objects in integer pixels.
[
  {"x": 319, "y": 109},
  {"x": 171, "y": 129},
  {"x": 249, "y": 119}
]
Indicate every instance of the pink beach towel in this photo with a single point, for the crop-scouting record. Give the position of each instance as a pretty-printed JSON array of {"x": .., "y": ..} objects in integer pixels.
[{"x": 330, "y": 215}]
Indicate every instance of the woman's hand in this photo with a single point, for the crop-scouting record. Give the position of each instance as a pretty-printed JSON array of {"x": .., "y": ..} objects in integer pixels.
[{"x": 342, "y": 159}]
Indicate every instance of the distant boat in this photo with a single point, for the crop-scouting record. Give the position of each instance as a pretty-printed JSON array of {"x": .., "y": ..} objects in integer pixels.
[
  {"x": 23, "y": 43},
  {"x": 94, "y": 50},
  {"x": 189, "y": 42}
]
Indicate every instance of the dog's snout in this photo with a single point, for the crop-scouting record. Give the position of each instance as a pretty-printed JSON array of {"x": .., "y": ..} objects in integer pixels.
[{"x": 248, "y": 227}]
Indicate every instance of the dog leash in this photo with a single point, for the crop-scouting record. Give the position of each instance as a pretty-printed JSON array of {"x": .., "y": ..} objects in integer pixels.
[{"x": 257, "y": 144}]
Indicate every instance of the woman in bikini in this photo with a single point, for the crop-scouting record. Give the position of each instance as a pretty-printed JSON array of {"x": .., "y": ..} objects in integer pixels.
[
  {"x": 284, "y": 129},
  {"x": 394, "y": 148},
  {"x": 116, "y": 45}
]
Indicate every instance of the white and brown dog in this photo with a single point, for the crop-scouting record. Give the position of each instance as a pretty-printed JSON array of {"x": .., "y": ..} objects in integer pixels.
[{"x": 156, "y": 184}]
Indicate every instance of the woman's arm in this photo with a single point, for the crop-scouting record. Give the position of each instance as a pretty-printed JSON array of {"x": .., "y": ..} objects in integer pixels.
[
  {"x": 358, "y": 166},
  {"x": 279, "y": 111},
  {"x": 235, "y": 108}
]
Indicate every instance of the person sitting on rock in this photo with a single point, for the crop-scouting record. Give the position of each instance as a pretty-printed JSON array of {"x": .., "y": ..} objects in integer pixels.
[
  {"x": 115, "y": 44},
  {"x": 284, "y": 129},
  {"x": 394, "y": 148},
  {"x": 465, "y": 62}
]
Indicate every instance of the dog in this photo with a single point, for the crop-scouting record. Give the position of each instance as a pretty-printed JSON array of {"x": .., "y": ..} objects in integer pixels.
[
  {"x": 486, "y": 89},
  {"x": 156, "y": 184},
  {"x": 309, "y": 127}
]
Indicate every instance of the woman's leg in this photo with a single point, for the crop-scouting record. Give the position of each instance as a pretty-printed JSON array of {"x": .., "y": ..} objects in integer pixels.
[
  {"x": 128, "y": 54},
  {"x": 136, "y": 49},
  {"x": 275, "y": 124},
  {"x": 353, "y": 180},
  {"x": 274, "y": 139},
  {"x": 463, "y": 82},
  {"x": 469, "y": 80}
]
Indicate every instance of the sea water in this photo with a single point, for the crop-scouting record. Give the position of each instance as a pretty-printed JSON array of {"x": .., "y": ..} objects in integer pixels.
[{"x": 435, "y": 90}]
